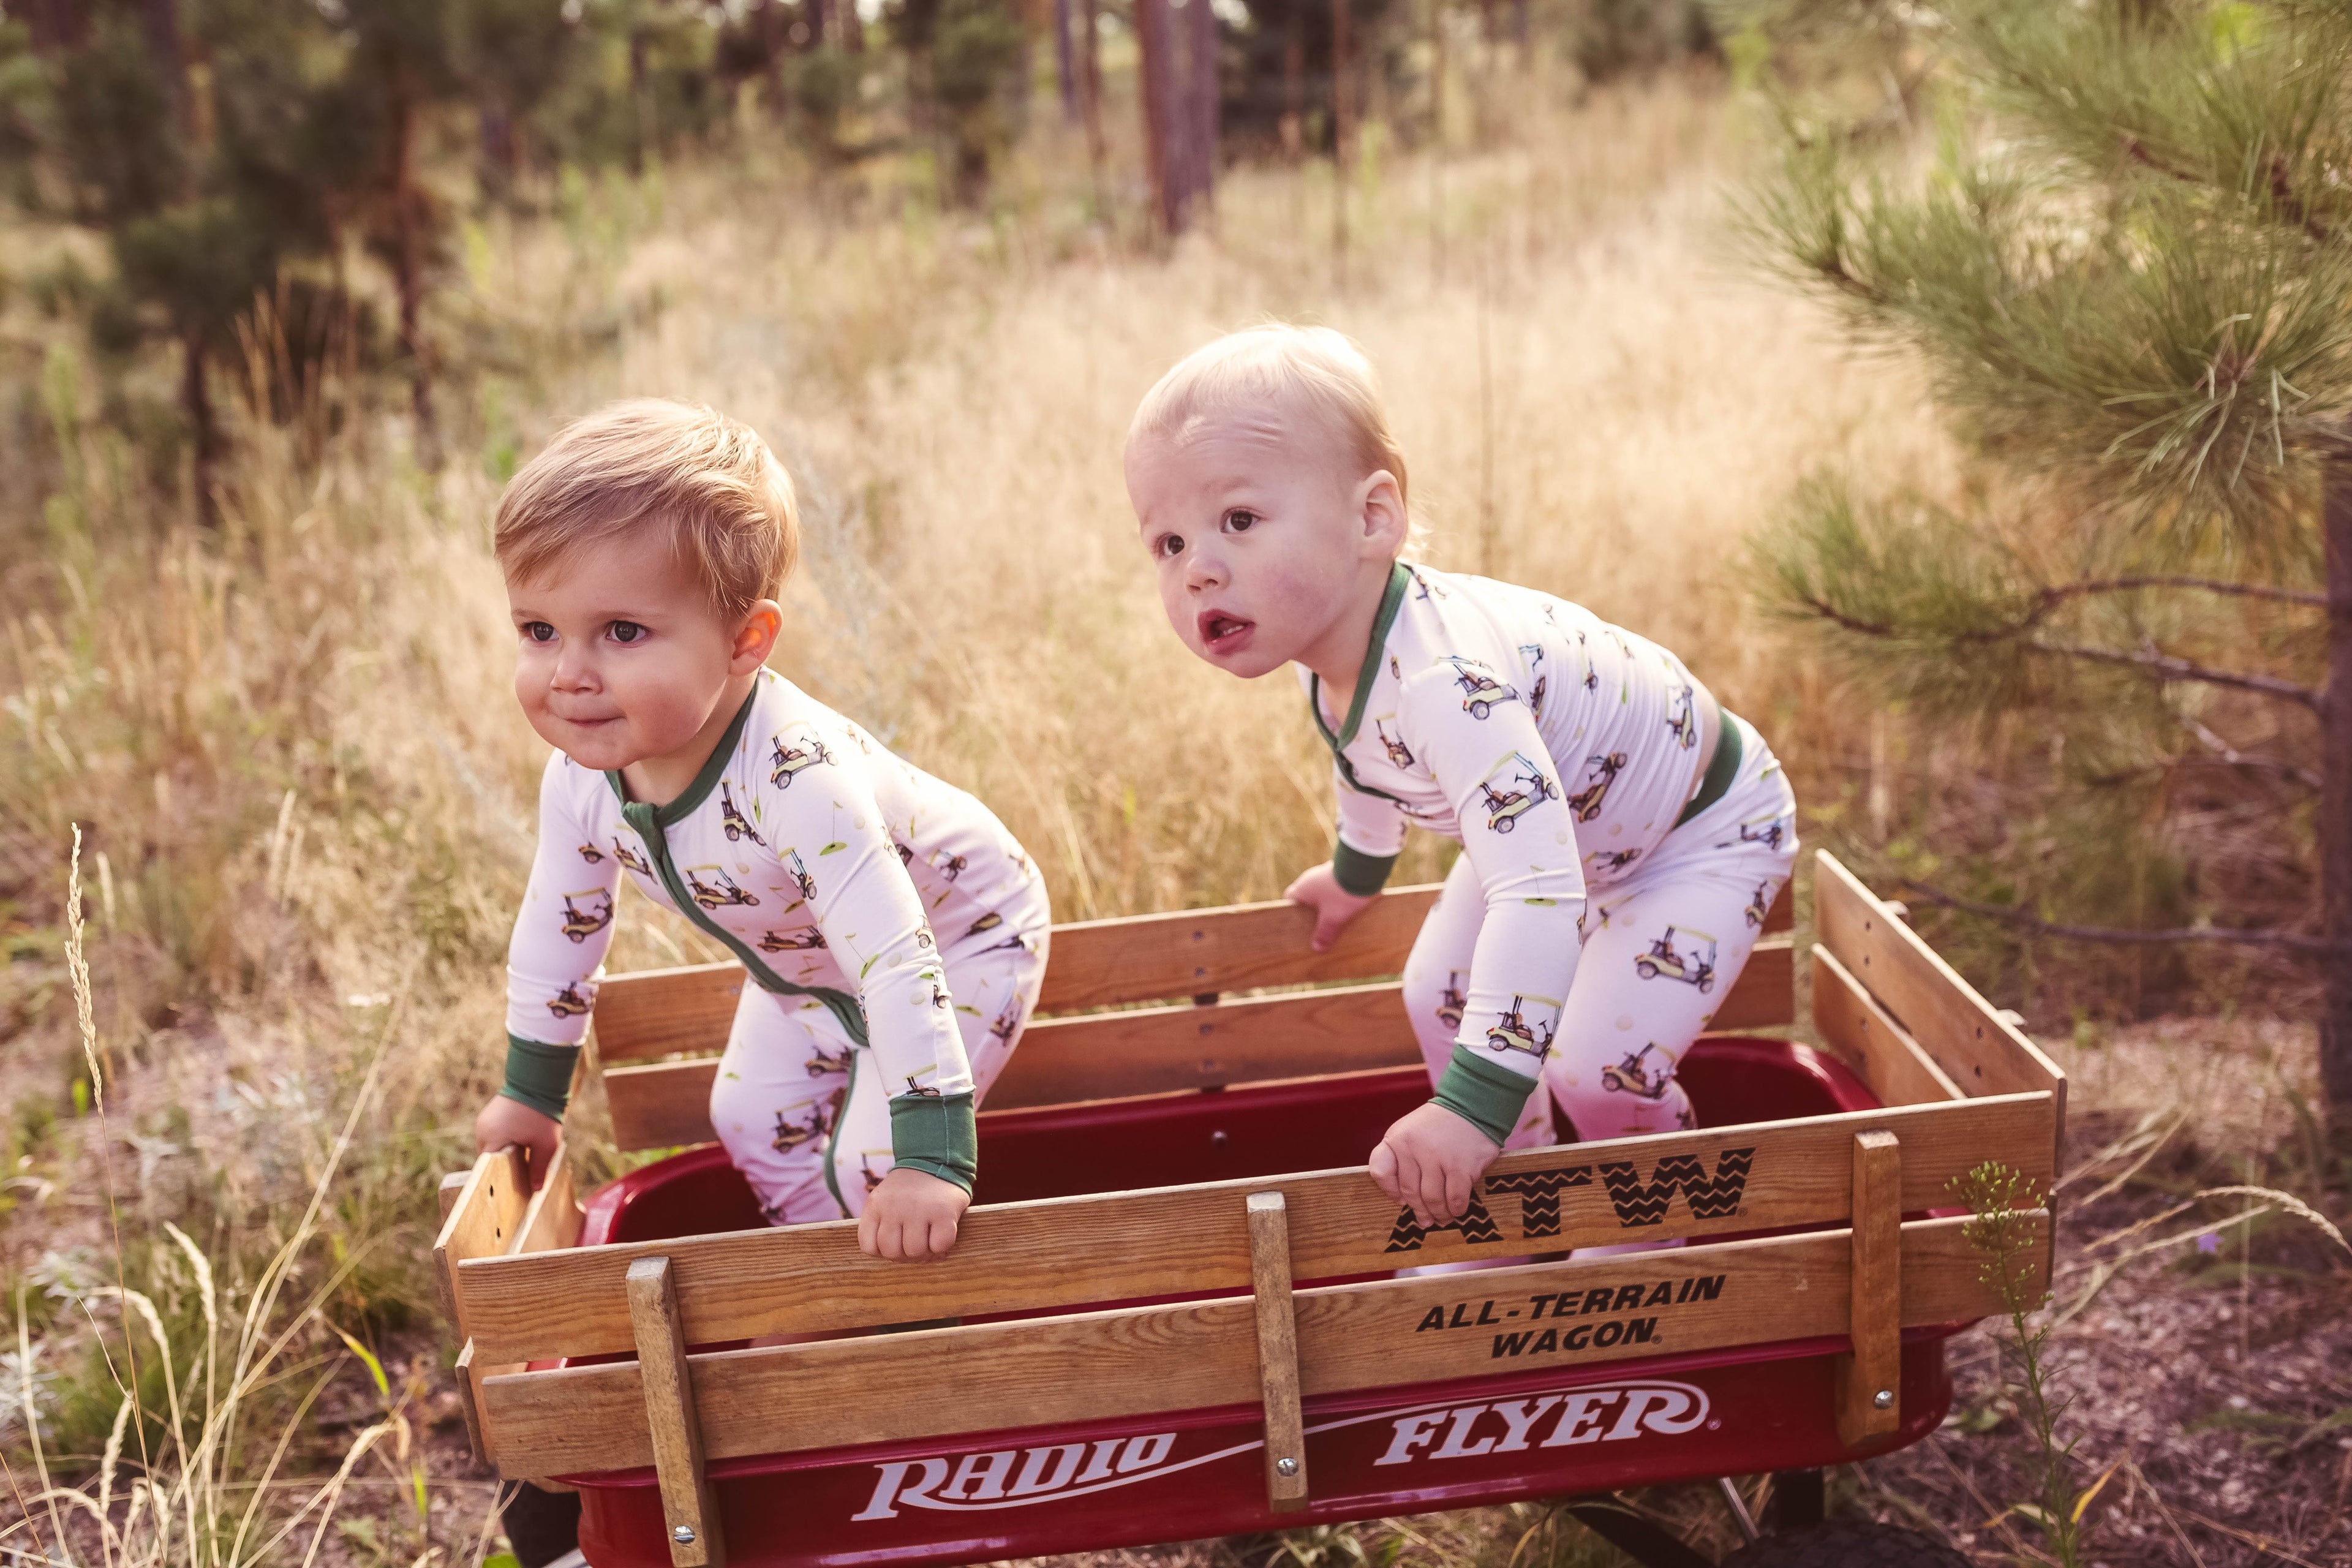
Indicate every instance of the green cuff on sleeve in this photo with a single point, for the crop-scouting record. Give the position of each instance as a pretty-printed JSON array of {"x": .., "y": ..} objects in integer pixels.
[
  {"x": 1359, "y": 873},
  {"x": 938, "y": 1135},
  {"x": 1486, "y": 1094},
  {"x": 540, "y": 1075}
]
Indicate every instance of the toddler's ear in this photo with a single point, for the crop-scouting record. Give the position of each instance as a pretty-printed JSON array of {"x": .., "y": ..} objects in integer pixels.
[
  {"x": 1385, "y": 522},
  {"x": 755, "y": 639}
]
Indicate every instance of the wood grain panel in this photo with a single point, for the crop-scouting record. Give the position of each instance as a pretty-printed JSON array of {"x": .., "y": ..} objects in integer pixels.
[
  {"x": 1982, "y": 1052},
  {"x": 1097, "y": 963},
  {"x": 1153, "y": 1050},
  {"x": 1160, "y": 1241},
  {"x": 1874, "y": 1368},
  {"x": 1191, "y": 1355},
  {"x": 1852, "y": 1024}
]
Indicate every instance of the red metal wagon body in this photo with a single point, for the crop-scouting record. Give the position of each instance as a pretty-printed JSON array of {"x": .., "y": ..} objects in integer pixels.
[{"x": 1131, "y": 1366}]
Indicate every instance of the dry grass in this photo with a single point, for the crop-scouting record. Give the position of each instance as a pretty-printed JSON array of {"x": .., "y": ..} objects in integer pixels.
[{"x": 307, "y": 787}]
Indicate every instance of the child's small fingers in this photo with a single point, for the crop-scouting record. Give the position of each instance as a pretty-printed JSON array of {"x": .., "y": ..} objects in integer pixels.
[
  {"x": 943, "y": 1239},
  {"x": 1457, "y": 1192},
  {"x": 1382, "y": 1167},
  {"x": 868, "y": 1237}
]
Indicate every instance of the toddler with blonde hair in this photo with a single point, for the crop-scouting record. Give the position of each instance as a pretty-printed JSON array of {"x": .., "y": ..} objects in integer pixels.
[
  {"x": 894, "y": 932},
  {"x": 1622, "y": 836}
]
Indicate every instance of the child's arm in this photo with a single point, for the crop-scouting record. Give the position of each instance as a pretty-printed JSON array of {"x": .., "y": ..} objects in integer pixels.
[
  {"x": 1372, "y": 833},
  {"x": 873, "y": 922},
  {"x": 1520, "y": 838},
  {"x": 560, "y": 935}
]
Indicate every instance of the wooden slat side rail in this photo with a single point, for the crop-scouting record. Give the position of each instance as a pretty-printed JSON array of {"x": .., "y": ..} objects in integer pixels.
[
  {"x": 1278, "y": 1353},
  {"x": 483, "y": 1218},
  {"x": 480, "y": 1218},
  {"x": 1154, "y": 1050},
  {"x": 1191, "y": 1355},
  {"x": 689, "y": 1510},
  {"x": 554, "y": 1217},
  {"x": 1122, "y": 1246},
  {"x": 1868, "y": 1384},
  {"x": 1852, "y": 1023},
  {"x": 1982, "y": 1051},
  {"x": 1098, "y": 963}
]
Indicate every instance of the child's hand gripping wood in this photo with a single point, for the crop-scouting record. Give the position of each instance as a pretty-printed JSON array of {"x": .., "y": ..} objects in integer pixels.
[
  {"x": 1432, "y": 1159},
  {"x": 504, "y": 1121},
  {"x": 1319, "y": 888},
  {"x": 912, "y": 1217}
]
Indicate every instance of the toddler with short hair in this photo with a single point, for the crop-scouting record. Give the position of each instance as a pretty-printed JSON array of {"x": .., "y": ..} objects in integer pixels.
[
  {"x": 894, "y": 932},
  {"x": 1623, "y": 836}
]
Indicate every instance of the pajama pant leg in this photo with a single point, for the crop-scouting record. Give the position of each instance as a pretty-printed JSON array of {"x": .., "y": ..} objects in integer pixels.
[
  {"x": 795, "y": 1103},
  {"x": 1663, "y": 948},
  {"x": 1710, "y": 882}
]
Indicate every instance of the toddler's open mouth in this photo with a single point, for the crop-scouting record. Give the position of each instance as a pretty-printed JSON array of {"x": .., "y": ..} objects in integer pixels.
[{"x": 1222, "y": 633}]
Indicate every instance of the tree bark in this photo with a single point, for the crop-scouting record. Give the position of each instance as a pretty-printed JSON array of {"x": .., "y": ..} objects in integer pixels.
[
  {"x": 196, "y": 403},
  {"x": 2336, "y": 803},
  {"x": 1343, "y": 130},
  {"x": 1293, "y": 84},
  {"x": 1204, "y": 99},
  {"x": 1065, "y": 63},
  {"x": 409, "y": 219},
  {"x": 1090, "y": 94},
  {"x": 1163, "y": 116}
]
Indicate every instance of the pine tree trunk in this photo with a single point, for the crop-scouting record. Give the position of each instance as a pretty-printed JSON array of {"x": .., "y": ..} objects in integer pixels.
[
  {"x": 1065, "y": 63},
  {"x": 1090, "y": 96},
  {"x": 409, "y": 218},
  {"x": 196, "y": 403},
  {"x": 1294, "y": 83},
  {"x": 1164, "y": 118},
  {"x": 2335, "y": 803},
  {"x": 1343, "y": 130},
  {"x": 1205, "y": 106}
]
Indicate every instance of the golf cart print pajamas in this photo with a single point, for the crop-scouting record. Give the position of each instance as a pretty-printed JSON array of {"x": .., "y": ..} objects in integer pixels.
[
  {"x": 1592, "y": 922},
  {"x": 894, "y": 931}
]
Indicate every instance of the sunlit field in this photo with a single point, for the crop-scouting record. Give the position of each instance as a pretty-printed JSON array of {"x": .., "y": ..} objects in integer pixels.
[{"x": 305, "y": 791}]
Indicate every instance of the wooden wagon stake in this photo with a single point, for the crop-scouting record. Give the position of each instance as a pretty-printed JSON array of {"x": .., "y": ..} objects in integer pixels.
[
  {"x": 1869, "y": 1384},
  {"x": 689, "y": 1510},
  {"x": 1277, "y": 1352}
]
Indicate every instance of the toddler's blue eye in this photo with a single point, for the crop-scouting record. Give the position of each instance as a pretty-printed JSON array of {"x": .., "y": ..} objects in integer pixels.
[{"x": 627, "y": 632}]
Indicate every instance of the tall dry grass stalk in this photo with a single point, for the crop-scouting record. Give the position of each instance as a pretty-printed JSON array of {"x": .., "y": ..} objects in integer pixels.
[{"x": 200, "y": 1501}]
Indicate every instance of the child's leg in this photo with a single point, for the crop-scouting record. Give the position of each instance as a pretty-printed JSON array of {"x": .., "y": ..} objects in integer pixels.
[
  {"x": 1661, "y": 951},
  {"x": 779, "y": 1096},
  {"x": 1437, "y": 977},
  {"x": 995, "y": 994}
]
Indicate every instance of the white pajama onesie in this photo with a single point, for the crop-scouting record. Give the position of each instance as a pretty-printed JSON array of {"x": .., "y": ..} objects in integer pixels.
[
  {"x": 1592, "y": 924},
  {"x": 895, "y": 934}
]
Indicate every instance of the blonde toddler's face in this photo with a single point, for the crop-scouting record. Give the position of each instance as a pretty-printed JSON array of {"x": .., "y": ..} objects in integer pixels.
[
  {"x": 1255, "y": 531},
  {"x": 619, "y": 657}
]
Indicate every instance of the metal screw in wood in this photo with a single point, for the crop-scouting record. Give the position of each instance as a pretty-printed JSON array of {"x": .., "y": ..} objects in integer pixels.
[
  {"x": 683, "y": 1535},
  {"x": 1285, "y": 1466},
  {"x": 1883, "y": 1398}
]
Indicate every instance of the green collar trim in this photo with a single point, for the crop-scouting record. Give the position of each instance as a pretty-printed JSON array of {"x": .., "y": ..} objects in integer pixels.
[
  {"x": 1391, "y": 601},
  {"x": 706, "y": 781}
]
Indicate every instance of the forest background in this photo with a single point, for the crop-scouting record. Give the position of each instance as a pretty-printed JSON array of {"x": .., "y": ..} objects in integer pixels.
[{"x": 286, "y": 292}]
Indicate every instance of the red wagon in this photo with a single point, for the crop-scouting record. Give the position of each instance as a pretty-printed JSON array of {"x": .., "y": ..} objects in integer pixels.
[{"x": 1229, "y": 1348}]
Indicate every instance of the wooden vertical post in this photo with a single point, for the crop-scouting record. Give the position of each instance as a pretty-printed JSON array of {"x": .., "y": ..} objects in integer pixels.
[
  {"x": 1870, "y": 1377},
  {"x": 689, "y": 1510},
  {"x": 1278, "y": 1348}
]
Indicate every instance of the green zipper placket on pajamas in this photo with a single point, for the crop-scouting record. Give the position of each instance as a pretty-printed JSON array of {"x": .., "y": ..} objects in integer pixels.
[
  {"x": 651, "y": 824},
  {"x": 1391, "y": 601}
]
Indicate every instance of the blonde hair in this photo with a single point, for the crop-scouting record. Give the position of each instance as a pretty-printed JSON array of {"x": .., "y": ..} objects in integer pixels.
[
  {"x": 688, "y": 476},
  {"x": 1322, "y": 369}
]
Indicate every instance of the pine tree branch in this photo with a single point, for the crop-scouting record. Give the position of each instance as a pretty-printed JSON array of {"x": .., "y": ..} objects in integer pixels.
[
  {"x": 2283, "y": 201},
  {"x": 2293, "y": 941},
  {"x": 2229, "y": 755},
  {"x": 2169, "y": 667},
  {"x": 2061, "y": 592}
]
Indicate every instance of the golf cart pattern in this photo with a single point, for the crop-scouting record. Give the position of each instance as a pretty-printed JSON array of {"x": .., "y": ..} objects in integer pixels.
[
  {"x": 1127, "y": 1363},
  {"x": 1512, "y": 1031},
  {"x": 1693, "y": 965},
  {"x": 1528, "y": 786},
  {"x": 587, "y": 912},
  {"x": 1482, "y": 688}
]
